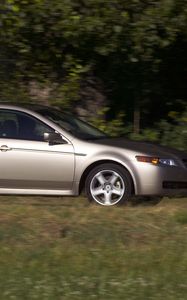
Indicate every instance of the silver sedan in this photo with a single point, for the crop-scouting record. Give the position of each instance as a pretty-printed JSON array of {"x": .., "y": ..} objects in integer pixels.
[{"x": 46, "y": 152}]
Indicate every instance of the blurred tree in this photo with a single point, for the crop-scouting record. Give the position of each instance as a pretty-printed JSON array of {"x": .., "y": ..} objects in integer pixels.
[{"x": 126, "y": 55}]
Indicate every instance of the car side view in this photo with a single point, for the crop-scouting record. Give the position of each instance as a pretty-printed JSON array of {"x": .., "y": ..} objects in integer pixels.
[{"x": 44, "y": 151}]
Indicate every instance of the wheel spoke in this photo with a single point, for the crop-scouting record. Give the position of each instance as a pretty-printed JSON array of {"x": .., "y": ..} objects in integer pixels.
[
  {"x": 117, "y": 191},
  {"x": 101, "y": 178},
  {"x": 97, "y": 191},
  {"x": 107, "y": 198},
  {"x": 113, "y": 178}
]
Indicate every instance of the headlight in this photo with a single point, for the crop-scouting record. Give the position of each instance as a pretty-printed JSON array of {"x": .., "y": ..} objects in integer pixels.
[
  {"x": 167, "y": 161},
  {"x": 156, "y": 160}
]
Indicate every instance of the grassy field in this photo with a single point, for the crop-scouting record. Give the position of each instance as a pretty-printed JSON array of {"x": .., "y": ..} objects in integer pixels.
[{"x": 65, "y": 248}]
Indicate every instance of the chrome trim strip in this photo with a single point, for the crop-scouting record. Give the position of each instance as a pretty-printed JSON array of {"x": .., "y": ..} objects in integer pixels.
[
  {"x": 48, "y": 151},
  {"x": 80, "y": 154},
  {"x": 38, "y": 150}
]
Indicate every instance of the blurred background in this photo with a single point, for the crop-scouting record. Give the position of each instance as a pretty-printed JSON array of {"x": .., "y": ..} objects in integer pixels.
[{"x": 121, "y": 65}]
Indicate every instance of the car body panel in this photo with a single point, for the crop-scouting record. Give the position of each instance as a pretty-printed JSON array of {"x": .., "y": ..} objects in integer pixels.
[
  {"x": 36, "y": 167},
  {"x": 125, "y": 156}
]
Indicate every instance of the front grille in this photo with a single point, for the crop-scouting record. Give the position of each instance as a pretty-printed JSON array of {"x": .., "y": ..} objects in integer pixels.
[
  {"x": 185, "y": 162},
  {"x": 174, "y": 185}
]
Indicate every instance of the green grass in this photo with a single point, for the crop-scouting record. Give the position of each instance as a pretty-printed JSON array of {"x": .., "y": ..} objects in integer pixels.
[{"x": 65, "y": 248}]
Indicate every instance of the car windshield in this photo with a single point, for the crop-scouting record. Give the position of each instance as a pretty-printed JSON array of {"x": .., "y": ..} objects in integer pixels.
[{"x": 75, "y": 126}]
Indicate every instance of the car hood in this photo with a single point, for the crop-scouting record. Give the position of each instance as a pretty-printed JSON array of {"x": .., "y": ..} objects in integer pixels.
[{"x": 142, "y": 147}]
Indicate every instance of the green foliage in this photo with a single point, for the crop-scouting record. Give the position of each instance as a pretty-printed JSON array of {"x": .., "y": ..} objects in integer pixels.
[
  {"x": 67, "y": 93},
  {"x": 172, "y": 133},
  {"x": 14, "y": 91},
  {"x": 149, "y": 134},
  {"x": 114, "y": 127},
  {"x": 136, "y": 49}
]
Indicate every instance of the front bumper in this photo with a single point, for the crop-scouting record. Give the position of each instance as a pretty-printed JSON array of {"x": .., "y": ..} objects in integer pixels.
[{"x": 160, "y": 180}]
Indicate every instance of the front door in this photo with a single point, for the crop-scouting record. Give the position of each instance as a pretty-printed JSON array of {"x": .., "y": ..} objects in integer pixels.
[{"x": 27, "y": 161}]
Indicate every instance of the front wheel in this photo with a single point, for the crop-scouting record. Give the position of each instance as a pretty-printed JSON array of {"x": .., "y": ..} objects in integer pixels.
[{"x": 108, "y": 184}]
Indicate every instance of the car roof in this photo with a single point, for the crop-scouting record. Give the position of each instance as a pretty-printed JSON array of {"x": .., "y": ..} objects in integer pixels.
[{"x": 32, "y": 106}]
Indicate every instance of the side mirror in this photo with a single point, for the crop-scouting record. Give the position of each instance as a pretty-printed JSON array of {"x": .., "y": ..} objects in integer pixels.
[{"x": 53, "y": 138}]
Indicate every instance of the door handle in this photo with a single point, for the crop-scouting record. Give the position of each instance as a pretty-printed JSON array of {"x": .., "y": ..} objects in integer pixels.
[{"x": 5, "y": 148}]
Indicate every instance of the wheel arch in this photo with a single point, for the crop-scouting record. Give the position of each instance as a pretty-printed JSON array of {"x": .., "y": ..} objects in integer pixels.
[{"x": 97, "y": 163}]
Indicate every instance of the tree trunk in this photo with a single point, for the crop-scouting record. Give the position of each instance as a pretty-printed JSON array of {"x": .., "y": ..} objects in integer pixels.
[{"x": 136, "y": 121}]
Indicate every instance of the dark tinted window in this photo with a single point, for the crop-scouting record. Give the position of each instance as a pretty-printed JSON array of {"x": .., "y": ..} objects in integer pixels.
[{"x": 18, "y": 125}]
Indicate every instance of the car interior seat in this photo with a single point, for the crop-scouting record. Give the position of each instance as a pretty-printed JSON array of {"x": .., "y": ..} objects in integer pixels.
[{"x": 9, "y": 129}]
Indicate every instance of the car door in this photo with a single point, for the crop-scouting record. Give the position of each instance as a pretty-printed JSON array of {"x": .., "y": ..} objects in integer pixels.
[{"x": 28, "y": 162}]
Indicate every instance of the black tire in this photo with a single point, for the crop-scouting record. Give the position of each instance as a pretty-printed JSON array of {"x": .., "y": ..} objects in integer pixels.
[{"x": 108, "y": 184}]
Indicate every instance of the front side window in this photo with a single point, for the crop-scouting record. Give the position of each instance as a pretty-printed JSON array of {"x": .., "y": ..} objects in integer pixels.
[{"x": 18, "y": 125}]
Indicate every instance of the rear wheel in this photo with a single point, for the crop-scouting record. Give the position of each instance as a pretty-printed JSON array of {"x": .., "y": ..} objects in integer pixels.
[{"x": 108, "y": 184}]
